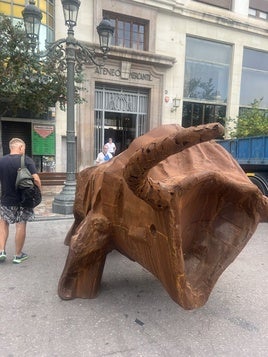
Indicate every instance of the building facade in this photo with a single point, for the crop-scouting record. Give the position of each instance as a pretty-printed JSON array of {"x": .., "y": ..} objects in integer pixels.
[
  {"x": 38, "y": 133},
  {"x": 171, "y": 61}
]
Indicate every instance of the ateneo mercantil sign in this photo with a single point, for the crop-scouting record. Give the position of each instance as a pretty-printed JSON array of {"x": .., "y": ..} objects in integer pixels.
[{"x": 127, "y": 74}]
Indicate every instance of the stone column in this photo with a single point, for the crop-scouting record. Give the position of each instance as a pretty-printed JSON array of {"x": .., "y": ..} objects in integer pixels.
[{"x": 241, "y": 7}]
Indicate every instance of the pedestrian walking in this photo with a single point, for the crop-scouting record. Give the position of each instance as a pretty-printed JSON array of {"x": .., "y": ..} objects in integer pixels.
[
  {"x": 10, "y": 210},
  {"x": 111, "y": 146}
]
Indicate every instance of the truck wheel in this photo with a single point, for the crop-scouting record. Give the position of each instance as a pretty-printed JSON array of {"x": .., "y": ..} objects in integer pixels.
[{"x": 260, "y": 183}]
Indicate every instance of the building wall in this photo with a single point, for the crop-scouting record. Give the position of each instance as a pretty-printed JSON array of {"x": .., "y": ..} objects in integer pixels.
[
  {"x": 13, "y": 8},
  {"x": 162, "y": 67},
  {"x": 170, "y": 23}
]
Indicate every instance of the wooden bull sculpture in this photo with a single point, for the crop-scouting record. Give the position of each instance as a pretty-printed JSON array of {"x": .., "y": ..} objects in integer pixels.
[{"x": 175, "y": 202}]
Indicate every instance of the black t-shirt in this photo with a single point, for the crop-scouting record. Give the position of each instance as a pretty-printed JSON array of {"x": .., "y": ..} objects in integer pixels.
[{"x": 9, "y": 165}]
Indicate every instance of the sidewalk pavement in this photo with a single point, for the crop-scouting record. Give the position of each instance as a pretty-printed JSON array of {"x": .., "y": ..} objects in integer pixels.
[
  {"x": 44, "y": 210},
  {"x": 132, "y": 315}
]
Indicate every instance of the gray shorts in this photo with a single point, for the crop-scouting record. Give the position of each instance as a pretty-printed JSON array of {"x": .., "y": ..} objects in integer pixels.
[{"x": 15, "y": 214}]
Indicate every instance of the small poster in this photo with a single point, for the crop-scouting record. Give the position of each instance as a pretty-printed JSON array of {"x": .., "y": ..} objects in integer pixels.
[{"x": 43, "y": 139}]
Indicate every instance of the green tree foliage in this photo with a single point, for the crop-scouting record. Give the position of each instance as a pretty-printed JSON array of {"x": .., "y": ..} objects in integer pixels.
[
  {"x": 26, "y": 82},
  {"x": 252, "y": 121}
]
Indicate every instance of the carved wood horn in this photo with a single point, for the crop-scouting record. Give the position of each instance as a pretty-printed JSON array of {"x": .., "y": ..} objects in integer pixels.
[{"x": 159, "y": 148}]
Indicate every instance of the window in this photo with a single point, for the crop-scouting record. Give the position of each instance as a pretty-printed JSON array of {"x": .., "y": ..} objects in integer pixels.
[
  {"x": 254, "y": 78},
  {"x": 225, "y": 4},
  {"x": 198, "y": 113},
  {"x": 263, "y": 15},
  {"x": 206, "y": 81},
  {"x": 256, "y": 13},
  {"x": 258, "y": 8},
  {"x": 206, "y": 70},
  {"x": 129, "y": 32},
  {"x": 252, "y": 12}
]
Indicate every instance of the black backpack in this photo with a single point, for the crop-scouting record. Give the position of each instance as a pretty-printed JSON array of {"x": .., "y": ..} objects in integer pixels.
[{"x": 30, "y": 194}]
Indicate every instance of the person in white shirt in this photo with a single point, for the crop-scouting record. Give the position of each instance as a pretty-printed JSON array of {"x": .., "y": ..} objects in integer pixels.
[
  {"x": 111, "y": 146},
  {"x": 104, "y": 155}
]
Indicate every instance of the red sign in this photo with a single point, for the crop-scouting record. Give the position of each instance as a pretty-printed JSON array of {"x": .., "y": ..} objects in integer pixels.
[{"x": 43, "y": 130}]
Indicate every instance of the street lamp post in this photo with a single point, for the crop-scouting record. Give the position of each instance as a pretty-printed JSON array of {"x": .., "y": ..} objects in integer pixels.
[{"x": 70, "y": 57}]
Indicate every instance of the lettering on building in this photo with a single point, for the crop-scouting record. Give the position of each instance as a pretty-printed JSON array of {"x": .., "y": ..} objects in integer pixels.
[{"x": 116, "y": 72}]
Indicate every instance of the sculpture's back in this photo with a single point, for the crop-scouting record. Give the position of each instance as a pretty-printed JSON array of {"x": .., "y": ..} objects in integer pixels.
[{"x": 183, "y": 211}]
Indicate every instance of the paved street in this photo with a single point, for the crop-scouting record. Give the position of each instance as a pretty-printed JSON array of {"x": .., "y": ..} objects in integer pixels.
[{"x": 133, "y": 315}]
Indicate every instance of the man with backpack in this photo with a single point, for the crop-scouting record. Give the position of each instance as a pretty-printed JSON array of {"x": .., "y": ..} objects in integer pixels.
[{"x": 11, "y": 212}]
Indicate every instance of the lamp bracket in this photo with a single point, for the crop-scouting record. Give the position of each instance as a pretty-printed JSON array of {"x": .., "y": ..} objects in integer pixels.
[{"x": 60, "y": 51}]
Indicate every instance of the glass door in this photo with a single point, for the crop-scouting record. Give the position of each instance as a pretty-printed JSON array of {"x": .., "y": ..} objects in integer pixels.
[{"x": 120, "y": 114}]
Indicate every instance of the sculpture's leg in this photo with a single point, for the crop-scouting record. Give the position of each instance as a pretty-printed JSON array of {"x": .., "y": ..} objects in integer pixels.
[
  {"x": 83, "y": 282},
  {"x": 83, "y": 270}
]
